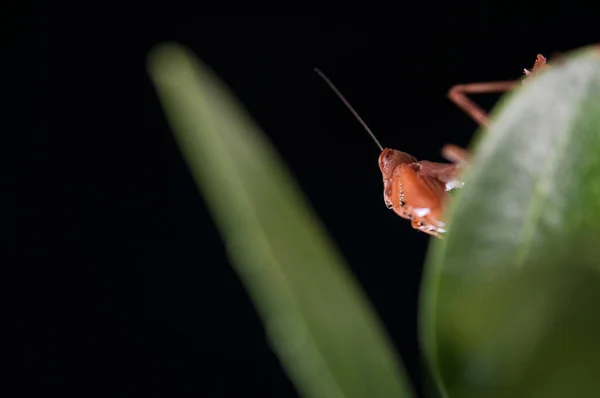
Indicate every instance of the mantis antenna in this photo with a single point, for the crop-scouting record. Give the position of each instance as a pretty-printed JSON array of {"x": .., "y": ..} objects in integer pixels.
[{"x": 337, "y": 92}]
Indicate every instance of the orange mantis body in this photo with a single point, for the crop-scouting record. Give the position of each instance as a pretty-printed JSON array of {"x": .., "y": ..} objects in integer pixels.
[{"x": 417, "y": 190}]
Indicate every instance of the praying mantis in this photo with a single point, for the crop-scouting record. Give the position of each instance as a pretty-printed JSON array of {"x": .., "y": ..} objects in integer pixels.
[{"x": 418, "y": 190}]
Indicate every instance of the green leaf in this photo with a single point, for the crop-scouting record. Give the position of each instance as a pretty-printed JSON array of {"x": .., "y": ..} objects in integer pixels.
[
  {"x": 511, "y": 299},
  {"x": 316, "y": 317}
]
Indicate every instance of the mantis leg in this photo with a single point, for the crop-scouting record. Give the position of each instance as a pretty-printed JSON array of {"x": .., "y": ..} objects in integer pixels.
[
  {"x": 455, "y": 154},
  {"x": 458, "y": 95}
]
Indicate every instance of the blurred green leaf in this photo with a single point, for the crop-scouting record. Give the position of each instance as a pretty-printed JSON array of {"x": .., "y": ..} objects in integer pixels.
[
  {"x": 511, "y": 299},
  {"x": 318, "y": 320}
]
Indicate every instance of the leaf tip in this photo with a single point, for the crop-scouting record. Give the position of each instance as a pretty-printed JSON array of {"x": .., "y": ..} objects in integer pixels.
[{"x": 167, "y": 58}]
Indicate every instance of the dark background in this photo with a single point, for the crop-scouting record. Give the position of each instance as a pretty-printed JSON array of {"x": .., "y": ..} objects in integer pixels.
[{"x": 135, "y": 296}]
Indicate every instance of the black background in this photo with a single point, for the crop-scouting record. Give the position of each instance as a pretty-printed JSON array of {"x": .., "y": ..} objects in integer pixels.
[{"x": 135, "y": 296}]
